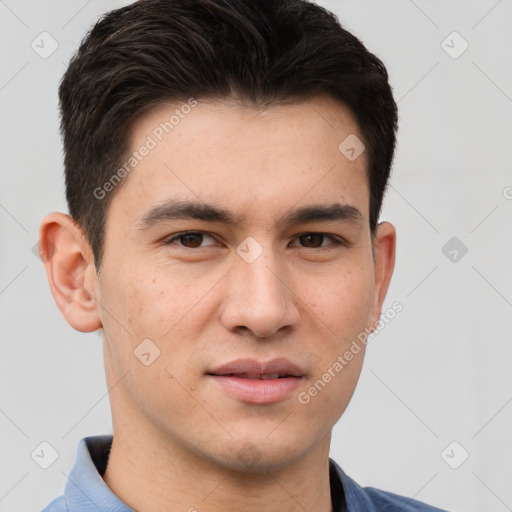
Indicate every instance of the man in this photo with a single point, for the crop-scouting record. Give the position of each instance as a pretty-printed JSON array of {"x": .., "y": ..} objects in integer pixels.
[{"x": 225, "y": 164}]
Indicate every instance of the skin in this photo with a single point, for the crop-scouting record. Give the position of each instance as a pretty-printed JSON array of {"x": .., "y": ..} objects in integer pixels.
[{"x": 180, "y": 441}]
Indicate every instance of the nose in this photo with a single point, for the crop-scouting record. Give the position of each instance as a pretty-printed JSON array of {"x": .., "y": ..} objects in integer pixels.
[{"x": 259, "y": 300}]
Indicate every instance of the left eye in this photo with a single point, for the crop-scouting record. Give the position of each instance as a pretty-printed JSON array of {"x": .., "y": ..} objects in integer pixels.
[
  {"x": 194, "y": 239},
  {"x": 315, "y": 240}
]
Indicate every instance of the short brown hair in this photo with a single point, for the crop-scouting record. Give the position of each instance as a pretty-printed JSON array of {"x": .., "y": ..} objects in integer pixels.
[{"x": 159, "y": 51}]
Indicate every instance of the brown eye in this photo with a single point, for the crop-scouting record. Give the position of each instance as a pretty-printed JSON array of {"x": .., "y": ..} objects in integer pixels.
[
  {"x": 318, "y": 241},
  {"x": 312, "y": 240},
  {"x": 190, "y": 240}
]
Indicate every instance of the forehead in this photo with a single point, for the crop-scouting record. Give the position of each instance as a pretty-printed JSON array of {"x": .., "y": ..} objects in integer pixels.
[{"x": 253, "y": 161}]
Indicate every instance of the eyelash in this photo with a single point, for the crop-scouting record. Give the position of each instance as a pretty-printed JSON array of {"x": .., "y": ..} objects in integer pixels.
[{"x": 336, "y": 241}]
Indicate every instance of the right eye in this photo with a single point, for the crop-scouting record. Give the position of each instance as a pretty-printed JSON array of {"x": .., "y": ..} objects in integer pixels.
[{"x": 189, "y": 239}]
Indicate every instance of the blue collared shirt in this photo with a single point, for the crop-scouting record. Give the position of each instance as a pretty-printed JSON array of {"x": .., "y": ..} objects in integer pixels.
[{"x": 86, "y": 491}]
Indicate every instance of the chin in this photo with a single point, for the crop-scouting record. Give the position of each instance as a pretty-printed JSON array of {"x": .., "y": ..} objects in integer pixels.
[{"x": 246, "y": 456}]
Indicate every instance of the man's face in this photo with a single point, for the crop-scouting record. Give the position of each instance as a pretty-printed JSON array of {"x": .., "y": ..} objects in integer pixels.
[{"x": 258, "y": 288}]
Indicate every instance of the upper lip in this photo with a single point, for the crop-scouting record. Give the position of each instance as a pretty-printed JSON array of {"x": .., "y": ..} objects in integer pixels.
[{"x": 256, "y": 369}]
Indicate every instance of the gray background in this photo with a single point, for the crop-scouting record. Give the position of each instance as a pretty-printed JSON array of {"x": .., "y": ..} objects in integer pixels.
[{"x": 438, "y": 373}]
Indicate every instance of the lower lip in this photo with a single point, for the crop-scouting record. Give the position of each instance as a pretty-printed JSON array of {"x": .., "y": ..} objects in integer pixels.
[{"x": 258, "y": 391}]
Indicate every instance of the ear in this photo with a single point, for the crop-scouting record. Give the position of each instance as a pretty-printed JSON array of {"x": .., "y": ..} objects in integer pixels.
[
  {"x": 69, "y": 265},
  {"x": 384, "y": 247}
]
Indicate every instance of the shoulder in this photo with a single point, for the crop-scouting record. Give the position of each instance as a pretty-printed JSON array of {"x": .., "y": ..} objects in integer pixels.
[
  {"x": 57, "y": 505},
  {"x": 390, "y": 502},
  {"x": 371, "y": 499}
]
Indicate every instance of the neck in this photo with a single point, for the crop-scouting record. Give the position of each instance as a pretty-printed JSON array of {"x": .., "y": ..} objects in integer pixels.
[{"x": 149, "y": 472}]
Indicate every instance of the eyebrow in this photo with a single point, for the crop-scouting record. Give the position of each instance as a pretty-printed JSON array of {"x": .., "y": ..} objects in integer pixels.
[{"x": 176, "y": 209}]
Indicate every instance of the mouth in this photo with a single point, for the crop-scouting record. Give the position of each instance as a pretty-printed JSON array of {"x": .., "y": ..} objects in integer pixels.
[
  {"x": 252, "y": 369},
  {"x": 264, "y": 376},
  {"x": 250, "y": 381}
]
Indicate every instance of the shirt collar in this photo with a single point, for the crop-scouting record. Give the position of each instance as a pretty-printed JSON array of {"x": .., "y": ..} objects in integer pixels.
[
  {"x": 86, "y": 490},
  {"x": 353, "y": 496}
]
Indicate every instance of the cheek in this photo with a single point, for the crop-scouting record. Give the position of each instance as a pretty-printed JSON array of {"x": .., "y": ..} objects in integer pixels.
[
  {"x": 144, "y": 324},
  {"x": 127, "y": 303},
  {"x": 342, "y": 300},
  {"x": 144, "y": 300},
  {"x": 142, "y": 306},
  {"x": 339, "y": 311}
]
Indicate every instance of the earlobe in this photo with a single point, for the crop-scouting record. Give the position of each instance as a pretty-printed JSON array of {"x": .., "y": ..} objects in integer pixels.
[
  {"x": 69, "y": 265},
  {"x": 384, "y": 247}
]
